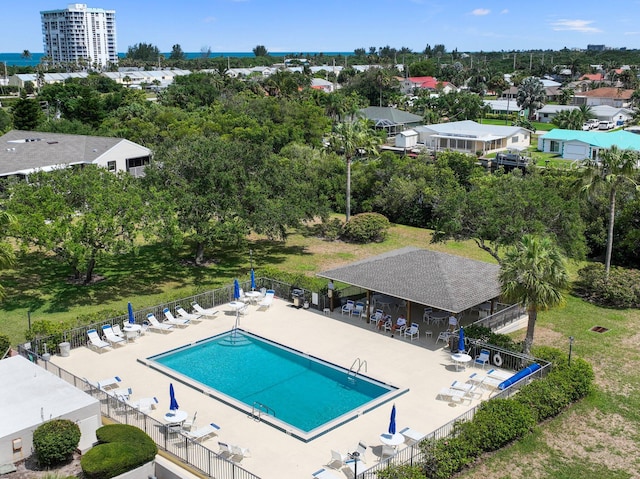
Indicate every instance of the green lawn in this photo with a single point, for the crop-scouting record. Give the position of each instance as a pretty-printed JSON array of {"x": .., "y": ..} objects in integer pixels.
[{"x": 597, "y": 438}]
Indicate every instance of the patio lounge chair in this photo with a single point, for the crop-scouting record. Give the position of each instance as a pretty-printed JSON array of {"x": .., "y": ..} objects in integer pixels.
[
  {"x": 326, "y": 474},
  {"x": 225, "y": 450},
  {"x": 110, "y": 336},
  {"x": 169, "y": 318},
  {"x": 205, "y": 313},
  {"x": 144, "y": 405},
  {"x": 361, "y": 449},
  {"x": 338, "y": 460},
  {"x": 267, "y": 300},
  {"x": 455, "y": 395},
  {"x": 412, "y": 436},
  {"x": 469, "y": 389},
  {"x": 194, "y": 318},
  {"x": 239, "y": 453},
  {"x": 96, "y": 343},
  {"x": 203, "y": 433},
  {"x": 155, "y": 325},
  {"x": 412, "y": 332},
  {"x": 117, "y": 331},
  {"x": 108, "y": 383},
  {"x": 121, "y": 393}
]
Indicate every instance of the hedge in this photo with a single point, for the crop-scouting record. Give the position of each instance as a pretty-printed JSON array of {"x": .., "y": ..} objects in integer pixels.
[
  {"x": 55, "y": 441},
  {"x": 121, "y": 448}
]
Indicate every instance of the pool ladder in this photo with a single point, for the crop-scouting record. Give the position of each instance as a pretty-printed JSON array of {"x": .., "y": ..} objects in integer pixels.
[
  {"x": 353, "y": 372},
  {"x": 259, "y": 408}
]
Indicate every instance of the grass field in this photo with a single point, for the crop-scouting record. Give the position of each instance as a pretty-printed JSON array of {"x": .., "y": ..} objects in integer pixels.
[{"x": 597, "y": 438}]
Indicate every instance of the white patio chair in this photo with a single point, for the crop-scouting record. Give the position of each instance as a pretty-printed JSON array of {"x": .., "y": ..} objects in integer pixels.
[
  {"x": 482, "y": 358},
  {"x": 171, "y": 319},
  {"x": 348, "y": 307},
  {"x": 358, "y": 310},
  {"x": 155, "y": 325},
  {"x": 412, "y": 332},
  {"x": 194, "y": 318},
  {"x": 204, "y": 312},
  {"x": 96, "y": 343},
  {"x": 443, "y": 336},
  {"x": 111, "y": 337},
  {"x": 338, "y": 460},
  {"x": 117, "y": 331}
]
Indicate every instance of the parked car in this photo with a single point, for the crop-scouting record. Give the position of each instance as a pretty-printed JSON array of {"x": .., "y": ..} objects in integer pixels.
[
  {"x": 593, "y": 123},
  {"x": 606, "y": 125}
]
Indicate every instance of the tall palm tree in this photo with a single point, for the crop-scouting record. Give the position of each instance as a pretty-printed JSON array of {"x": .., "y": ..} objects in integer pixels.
[
  {"x": 531, "y": 96},
  {"x": 534, "y": 274},
  {"x": 7, "y": 255},
  {"x": 614, "y": 169},
  {"x": 353, "y": 139}
]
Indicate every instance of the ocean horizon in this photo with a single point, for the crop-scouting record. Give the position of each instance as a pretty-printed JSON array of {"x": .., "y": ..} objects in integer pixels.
[{"x": 16, "y": 59}]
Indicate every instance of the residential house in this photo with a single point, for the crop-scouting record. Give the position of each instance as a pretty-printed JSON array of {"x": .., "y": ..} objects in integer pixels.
[
  {"x": 322, "y": 84},
  {"x": 616, "y": 97},
  {"x": 619, "y": 116},
  {"x": 390, "y": 119},
  {"x": 470, "y": 137},
  {"x": 581, "y": 145},
  {"x": 410, "y": 85},
  {"x": 24, "y": 152},
  {"x": 503, "y": 107}
]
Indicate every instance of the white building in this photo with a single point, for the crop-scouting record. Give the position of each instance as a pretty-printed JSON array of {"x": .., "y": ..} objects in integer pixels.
[
  {"x": 80, "y": 33},
  {"x": 34, "y": 396},
  {"x": 470, "y": 137}
]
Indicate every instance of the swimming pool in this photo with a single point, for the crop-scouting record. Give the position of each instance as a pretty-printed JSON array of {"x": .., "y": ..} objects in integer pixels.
[{"x": 297, "y": 393}]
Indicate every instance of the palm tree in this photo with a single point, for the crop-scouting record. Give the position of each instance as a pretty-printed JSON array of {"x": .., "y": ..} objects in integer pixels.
[
  {"x": 7, "y": 256},
  {"x": 353, "y": 139},
  {"x": 531, "y": 96},
  {"x": 26, "y": 54},
  {"x": 534, "y": 274},
  {"x": 615, "y": 168}
]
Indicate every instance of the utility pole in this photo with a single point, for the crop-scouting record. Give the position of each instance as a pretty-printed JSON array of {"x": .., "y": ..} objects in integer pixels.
[{"x": 514, "y": 61}]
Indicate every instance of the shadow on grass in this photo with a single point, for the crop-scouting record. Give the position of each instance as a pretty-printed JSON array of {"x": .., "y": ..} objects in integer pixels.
[{"x": 41, "y": 282}]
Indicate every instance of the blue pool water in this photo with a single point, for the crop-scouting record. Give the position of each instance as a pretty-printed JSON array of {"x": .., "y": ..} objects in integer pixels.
[{"x": 299, "y": 390}]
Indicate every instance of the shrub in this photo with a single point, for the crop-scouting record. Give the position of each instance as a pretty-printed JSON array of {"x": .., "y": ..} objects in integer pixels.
[
  {"x": 444, "y": 457},
  {"x": 331, "y": 229},
  {"x": 497, "y": 423},
  {"x": 622, "y": 290},
  {"x": 121, "y": 449},
  {"x": 366, "y": 228},
  {"x": 5, "y": 344},
  {"x": 54, "y": 441},
  {"x": 545, "y": 398}
]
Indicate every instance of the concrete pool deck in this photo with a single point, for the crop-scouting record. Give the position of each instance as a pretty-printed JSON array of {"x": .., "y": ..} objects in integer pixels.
[{"x": 419, "y": 365}]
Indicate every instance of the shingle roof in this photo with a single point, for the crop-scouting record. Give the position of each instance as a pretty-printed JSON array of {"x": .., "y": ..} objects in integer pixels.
[
  {"x": 439, "y": 280},
  {"x": 26, "y": 151},
  {"x": 387, "y": 113}
]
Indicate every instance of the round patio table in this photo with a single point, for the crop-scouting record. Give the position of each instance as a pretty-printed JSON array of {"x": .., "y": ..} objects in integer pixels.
[
  {"x": 252, "y": 296},
  {"x": 460, "y": 359},
  {"x": 176, "y": 417},
  {"x": 392, "y": 439}
]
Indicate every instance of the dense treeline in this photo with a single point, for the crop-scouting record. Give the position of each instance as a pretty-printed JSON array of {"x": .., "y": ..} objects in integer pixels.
[{"x": 232, "y": 157}]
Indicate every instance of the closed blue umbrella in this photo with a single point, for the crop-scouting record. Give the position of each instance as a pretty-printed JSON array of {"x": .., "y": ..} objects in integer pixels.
[
  {"x": 392, "y": 422},
  {"x": 253, "y": 280},
  {"x": 461, "y": 346},
  {"x": 132, "y": 319},
  {"x": 236, "y": 289},
  {"x": 173, "y": 404}
]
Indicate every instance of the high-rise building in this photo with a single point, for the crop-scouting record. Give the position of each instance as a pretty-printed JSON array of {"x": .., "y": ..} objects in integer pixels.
[{"x": 80, "y": 35}]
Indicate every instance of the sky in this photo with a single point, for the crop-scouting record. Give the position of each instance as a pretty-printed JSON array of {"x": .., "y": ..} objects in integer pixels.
[{"x": 344, "y": 25}]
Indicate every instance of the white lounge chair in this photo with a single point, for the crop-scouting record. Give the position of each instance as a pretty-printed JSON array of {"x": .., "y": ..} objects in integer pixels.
[
  {"x": 454, "y": 395},
  {"x": 108, "y": 383},
  {"x": 204, "y": 312},
  {"x": 267, "y": 300},
  {"x": 110, "y": 336},
  {"x": 239, "y": 453},
  {"x": 124, "y": 394},
  {"x": 470, "y": 389},
  {"x": 412, "y": 436},
  {"x": 326, "y": 474},
  {"x": 144, "y": 405},
  {"x": 338, "y": 460},
  {"x": 225, "y": 450},
  {"x": 117, "y": 331},
  {"x": 96, "y": 343},
  {"x": 171, "y": 319},
  {"x": 361, "y": 449},
  {"x": 194, "y": 318},
  {"x": 155, "y": 325},
  {"x": 203, "y": 433}
]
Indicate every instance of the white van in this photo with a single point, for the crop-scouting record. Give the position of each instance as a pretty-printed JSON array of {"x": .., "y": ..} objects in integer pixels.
[{"x": 606, "y": 125}]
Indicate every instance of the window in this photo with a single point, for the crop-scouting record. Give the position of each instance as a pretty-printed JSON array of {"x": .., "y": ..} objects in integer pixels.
[
  {"x": 515, "y": 139},
  {"x": 111, "y": 165},
  {"x": 554, "y": 146}
]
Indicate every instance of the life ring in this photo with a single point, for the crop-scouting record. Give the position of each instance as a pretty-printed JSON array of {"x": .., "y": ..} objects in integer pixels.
[{"x": 497, "y": 359}]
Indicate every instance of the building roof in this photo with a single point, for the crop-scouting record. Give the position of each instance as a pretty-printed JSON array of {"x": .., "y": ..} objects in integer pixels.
[
  {"x": 393, "y": 115},
  {"x": 23, "y": 152},
  {"x": 503, "y": 105},
  {"x": 471, "y": 129},
  {"x": 35, "y": 395},
  {"x": 438, "y": 280},
  {"x": 598, "y": 110},
  {"x": 608, "y": 92},
  {"x": 622, "y": 139}
]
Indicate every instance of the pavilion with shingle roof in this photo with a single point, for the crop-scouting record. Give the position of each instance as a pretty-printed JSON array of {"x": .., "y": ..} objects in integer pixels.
[{"x": 437, "y": 280}]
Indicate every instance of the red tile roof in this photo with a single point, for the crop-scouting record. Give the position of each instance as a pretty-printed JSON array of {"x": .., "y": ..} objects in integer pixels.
[{"x": 609, "y": 92}]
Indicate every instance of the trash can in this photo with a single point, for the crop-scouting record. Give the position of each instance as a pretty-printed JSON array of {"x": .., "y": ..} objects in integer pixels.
[
  {"x": 453, "y": 343},
  {"x": 65, "y": 349}
]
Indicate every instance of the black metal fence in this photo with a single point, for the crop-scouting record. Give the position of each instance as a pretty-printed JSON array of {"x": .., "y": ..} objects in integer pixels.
[
  {"x": 174, "y": 442},
  {"x": 502, "y": 317}
]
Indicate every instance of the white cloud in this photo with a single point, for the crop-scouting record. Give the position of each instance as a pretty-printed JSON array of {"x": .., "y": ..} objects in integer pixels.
[
  {"x": 481, "y": 11},
  {"x": 631, "y": 33},
  {"x": 575, "y": 25},
  {"x": 505, "y": 11}
]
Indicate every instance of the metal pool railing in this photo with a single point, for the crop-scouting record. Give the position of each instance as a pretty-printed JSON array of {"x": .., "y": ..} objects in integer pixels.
[{"x": 185, "y": 449}]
